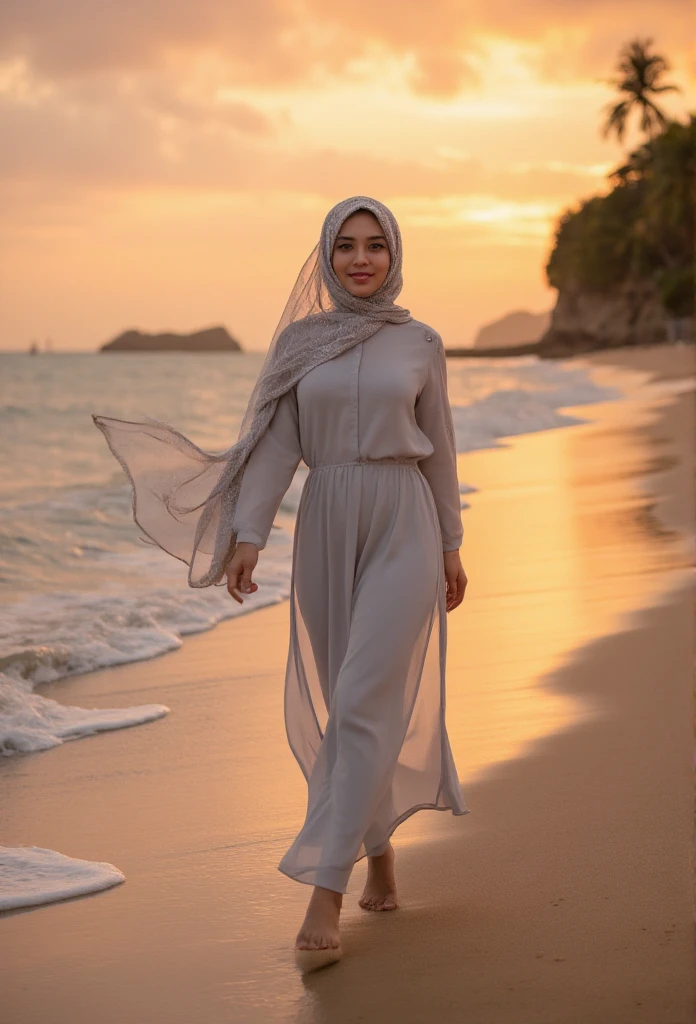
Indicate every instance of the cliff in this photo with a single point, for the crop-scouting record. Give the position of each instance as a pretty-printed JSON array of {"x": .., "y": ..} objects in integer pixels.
[
  {"x": 630, "y": 314},
  {"x": 584, "y": 321},
  {"x": 212, "y": 339}
]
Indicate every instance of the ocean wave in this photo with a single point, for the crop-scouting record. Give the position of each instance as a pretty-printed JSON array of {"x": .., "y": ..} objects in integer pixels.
[
  {"x": 30, "y": 722},
  {"x": 48, "y": 637},
  {"x": 513, "y": 409},
  {"x": 32, "y": 875}
]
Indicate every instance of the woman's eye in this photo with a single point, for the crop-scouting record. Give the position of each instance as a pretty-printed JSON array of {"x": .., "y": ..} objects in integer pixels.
[{"x": 373, "y": 245}]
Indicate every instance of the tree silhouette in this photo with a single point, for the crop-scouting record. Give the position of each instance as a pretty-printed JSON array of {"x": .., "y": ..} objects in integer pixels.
[
  {"x": 642, "y": 230},
  {"x": 639, "y": 75}
]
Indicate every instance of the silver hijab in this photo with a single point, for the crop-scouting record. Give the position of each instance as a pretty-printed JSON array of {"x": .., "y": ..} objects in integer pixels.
[{"x": 184, "y": 498}]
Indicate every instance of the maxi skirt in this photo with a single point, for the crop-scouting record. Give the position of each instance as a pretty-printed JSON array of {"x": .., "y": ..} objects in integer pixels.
[{"x": 365, "y": 679}]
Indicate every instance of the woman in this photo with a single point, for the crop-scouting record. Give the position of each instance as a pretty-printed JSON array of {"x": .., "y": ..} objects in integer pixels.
[{"x": 357, "y": 388}]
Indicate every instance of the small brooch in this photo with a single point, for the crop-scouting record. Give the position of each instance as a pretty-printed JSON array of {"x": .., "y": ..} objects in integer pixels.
[{"x": 428, "y": 337}]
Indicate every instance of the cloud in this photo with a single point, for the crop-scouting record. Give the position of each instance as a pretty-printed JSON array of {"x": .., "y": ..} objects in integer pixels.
[
  {"x": 79, "y": 37},
  {"x": 165, "y": 99},
  {"x": 151, "y": 136},
  {"x": 110, "y": 131},
  {"x": 272, "y": 42}
]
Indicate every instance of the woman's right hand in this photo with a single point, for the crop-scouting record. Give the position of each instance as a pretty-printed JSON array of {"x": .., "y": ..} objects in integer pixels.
[{"x": 240, "y": 568}]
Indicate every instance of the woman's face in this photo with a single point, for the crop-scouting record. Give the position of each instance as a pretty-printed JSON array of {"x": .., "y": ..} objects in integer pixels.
[{"x": 360, "y": 255}]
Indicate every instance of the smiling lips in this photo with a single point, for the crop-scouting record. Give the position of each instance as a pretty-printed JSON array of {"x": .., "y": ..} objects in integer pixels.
[{"x": 360, "y": 276}]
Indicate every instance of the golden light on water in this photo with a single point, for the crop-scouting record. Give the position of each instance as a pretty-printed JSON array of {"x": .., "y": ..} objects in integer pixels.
[{"x": 576, "y": 556}]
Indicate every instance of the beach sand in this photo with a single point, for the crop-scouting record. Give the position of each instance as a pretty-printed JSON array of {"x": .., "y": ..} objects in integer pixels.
[{"x": 564, "y": 897}]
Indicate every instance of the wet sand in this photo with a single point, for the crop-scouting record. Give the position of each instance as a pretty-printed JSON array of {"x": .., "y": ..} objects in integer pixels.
[{"x": 565, "y": 896}]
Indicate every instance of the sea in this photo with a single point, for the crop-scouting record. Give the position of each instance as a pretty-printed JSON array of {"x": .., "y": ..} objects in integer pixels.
[{"x": 79, "y": 590}]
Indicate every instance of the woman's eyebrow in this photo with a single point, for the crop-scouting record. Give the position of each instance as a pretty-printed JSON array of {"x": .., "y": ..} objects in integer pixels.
[{"x": 350, "y": 238}]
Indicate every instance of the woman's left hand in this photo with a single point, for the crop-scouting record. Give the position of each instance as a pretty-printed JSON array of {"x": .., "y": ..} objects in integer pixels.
[{"x": 455, "y": 578}]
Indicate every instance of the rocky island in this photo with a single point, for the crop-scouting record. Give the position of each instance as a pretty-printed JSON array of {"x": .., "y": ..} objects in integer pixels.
[
  {"x": 518, "y": 328},
  {"x": 212, "y": 339}
]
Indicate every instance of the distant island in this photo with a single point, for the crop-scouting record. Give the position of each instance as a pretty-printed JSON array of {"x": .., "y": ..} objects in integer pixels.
[
  {"x": 518, "y": 328},
  {"x": 212, "y": 339}
]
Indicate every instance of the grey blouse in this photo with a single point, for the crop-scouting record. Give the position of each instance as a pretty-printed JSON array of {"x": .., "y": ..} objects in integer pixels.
[{"x": 384, "y": 398}]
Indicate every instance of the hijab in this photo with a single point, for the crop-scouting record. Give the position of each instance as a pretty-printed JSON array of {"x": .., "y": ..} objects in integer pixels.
[{"x": 184, "y": 498}]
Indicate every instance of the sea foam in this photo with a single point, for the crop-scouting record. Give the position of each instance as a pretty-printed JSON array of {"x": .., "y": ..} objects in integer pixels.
[
  {"x": 31, "y": 875},
  {"x": 30, "y": 722},
  {"x": 45, "y": 638}
]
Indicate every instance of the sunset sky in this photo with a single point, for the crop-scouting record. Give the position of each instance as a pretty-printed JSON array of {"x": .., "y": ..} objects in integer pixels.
[{"x": 167, "y": 165}]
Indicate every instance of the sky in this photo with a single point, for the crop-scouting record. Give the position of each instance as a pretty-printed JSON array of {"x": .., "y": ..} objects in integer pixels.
[{"x": 167, "y": 165}]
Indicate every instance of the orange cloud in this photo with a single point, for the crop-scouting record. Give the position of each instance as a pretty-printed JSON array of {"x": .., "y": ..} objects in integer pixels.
[
  {"x": 112, "y": 141},
  {"x": 268, "y": 42}
]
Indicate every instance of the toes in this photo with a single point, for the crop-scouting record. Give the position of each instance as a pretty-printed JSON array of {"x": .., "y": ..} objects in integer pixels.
[
  {"x": 313, "y": 943},
  {"x": 372, "y": 901},
  {"x": 366, "y": 902},
  {"x": 383, "y": 903}
]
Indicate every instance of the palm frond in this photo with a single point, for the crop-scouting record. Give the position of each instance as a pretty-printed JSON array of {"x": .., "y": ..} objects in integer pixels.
[
  {"x": 617, "y": 115},
  {"x": 638, "y": 77},
  {"x": 665, "y": 88}
]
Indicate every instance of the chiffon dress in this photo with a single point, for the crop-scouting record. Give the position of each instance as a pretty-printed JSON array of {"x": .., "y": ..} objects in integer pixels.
[{"x": 365, "y": 676}]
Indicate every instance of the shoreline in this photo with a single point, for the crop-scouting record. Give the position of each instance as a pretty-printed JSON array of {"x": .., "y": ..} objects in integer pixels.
[
  {"x": 157, "y": 802},
  {"x": 559, "y": 350}
]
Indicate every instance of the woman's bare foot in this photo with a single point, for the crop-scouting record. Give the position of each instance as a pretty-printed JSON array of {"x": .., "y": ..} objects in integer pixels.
[
  {"x": 380, "y": 888},
  {"x": 320, "y": 927}
]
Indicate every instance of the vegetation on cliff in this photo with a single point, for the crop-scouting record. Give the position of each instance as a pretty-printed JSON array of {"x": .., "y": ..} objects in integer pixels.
[{"x": 642, "y": 231}]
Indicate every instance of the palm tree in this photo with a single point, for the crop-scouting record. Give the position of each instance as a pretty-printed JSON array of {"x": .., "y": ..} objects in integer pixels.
[{"x": 639, "y": 75}]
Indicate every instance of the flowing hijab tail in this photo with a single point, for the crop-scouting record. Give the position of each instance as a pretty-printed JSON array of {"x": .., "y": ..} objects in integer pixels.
[
  {"x": 184, "y": 498},
  {"x": 179, "y": 499}
]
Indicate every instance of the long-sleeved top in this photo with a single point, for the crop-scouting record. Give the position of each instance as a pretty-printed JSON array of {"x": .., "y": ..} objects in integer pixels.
[{"x": 384, "y": 398}]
